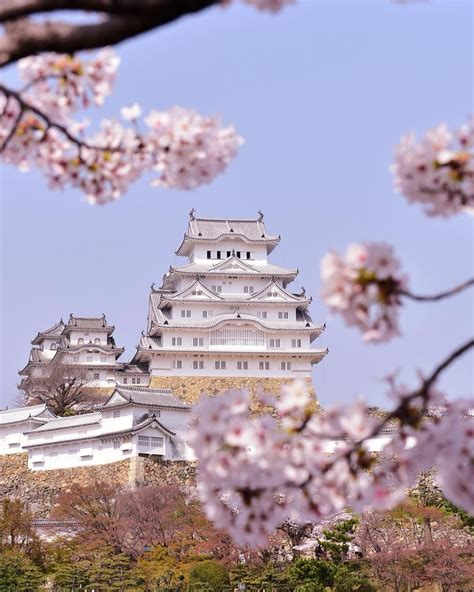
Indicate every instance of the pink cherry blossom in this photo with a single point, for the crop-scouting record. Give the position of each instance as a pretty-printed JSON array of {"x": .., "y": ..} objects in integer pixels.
[
  {"x": 438, "y": 170},
  {"x": 191, "y": 149},
  {"x": 38, "y": 131},
  {"x": 364, "y": 288},
  {"x": 257, "y": 471}
]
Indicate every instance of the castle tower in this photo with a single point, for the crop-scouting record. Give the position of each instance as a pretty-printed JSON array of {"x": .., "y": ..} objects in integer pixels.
[
  {"x": 226, "y": 318},
  {"x": 83, "y": 348}
]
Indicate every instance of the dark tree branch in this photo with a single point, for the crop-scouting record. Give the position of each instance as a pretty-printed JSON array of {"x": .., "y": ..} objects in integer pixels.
[
  {"x": 441, "y": 295},
  {"x": 125, "y": 19},
  {"x": 14, "y": 9}
]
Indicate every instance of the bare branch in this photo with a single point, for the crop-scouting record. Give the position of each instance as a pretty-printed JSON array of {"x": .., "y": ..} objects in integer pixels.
[
  {"x": 441, "y": 295},
  {"x": 126, "y": 19},
  {"x": 14, "y": 9}
]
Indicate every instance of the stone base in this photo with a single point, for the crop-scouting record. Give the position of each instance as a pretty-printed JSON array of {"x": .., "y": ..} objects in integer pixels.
[
  {"x": 190, "y": 388},
  {"x": 39, "y": 489}
]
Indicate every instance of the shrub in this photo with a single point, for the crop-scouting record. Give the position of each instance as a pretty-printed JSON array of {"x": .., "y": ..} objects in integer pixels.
[
  {"x": 18, "y": 573},
  {"x": 209, "y": 573}
]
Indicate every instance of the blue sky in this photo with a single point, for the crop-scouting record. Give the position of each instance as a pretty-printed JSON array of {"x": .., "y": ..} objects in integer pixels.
[{"x": 321, "y": 93}]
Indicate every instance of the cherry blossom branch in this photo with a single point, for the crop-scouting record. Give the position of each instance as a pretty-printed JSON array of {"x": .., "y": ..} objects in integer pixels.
[
  {"x": 257, "y": 472},
  {"x": 26, "y": 106},
  {"x": 404, "y": 411},
  {"x": 441, "y": 295}
]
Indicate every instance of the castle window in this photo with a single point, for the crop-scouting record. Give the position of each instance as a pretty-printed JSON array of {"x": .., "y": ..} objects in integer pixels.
[
  {"x": 238, "y": 337},
  {"x": 296, "y": 343},
  {"x": 262, "y": 314},
  {"x": 80, "y": 341},
  {"x": 285, "y": 365},
  {"x": 177, "y": 364},
  {"x": 138, "y": 380},
  {"x": 275, "y": 343},
  {"x": 97, "y": 341},
  {"x": 198, "y": 365},
  {"x": 96, "y": 375},
  {"x": 156, "y": 441},
  {"x": 116, "y": 414},
  {"x": 155, "y": 412},
  {"x": 238, "y": 254},
  {"x": 264, "y": 365},
  {"x": 209, "y": 255},
  {"x": 53, "y": 346},
  {"x": 218, "y": 254},
  {"x": 198, "y": 341},
  {"x": 76, "y": 359},
  {"x": 220, "y": 365},
  {"x": 116, "y": 445},
  {"x": 242, "y": 365},
  {"x": 248, "y": 289},
  {"x": 283, "y": 315},
  {"x": 217, "y": 289},
  {"x": 125, "y": 381},
  {"x": 176, "y": 341},
  {"x": 134, "y": 380},
  {"x": 229, "y": 253}
]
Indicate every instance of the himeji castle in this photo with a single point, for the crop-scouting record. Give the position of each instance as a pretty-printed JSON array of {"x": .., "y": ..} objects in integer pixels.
[{"x": 227, "y": 318}]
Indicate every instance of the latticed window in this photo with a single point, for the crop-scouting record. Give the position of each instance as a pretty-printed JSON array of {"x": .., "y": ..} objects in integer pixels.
[
  {"x": 239, "y": 337},
  {"x": 156, "y": 441},
  {"x": 144, "y": 441}
]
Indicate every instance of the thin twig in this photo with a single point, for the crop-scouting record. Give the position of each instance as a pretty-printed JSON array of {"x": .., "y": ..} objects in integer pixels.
[
  {"x": 11, "y": 133},
  {"x": 25, "y": 106},
  {"x": 441, "y": 295}
]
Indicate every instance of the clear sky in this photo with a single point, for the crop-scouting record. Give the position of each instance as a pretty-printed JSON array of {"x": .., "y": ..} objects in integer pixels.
[{"x": 321, "y": 93}]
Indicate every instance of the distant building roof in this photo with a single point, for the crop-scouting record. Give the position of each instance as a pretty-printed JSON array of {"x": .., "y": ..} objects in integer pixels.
[
  {"x": 211, "y": 229},
  {"x": 71, "y": 421},
  {"x": 54, "y": 331},
  {"x": 92, "y": 323},
  {"x": 146, "y": 397},
  {"x": 20, "y": 414}
]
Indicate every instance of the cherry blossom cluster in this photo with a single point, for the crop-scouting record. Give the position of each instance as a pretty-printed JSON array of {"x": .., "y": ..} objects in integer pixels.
[
  {"x": 438, "y": 170},
  {"x": 295, "y": 464},
  {"x": 61, "y": 84},
  {"x": 364, "y": 287},
  {"x": 38, "y": 131}
]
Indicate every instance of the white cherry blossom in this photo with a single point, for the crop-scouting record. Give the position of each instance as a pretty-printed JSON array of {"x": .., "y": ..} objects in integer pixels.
[
  {"x": 257, "y": 471},
  {"x": 438, "y": 170},
  {"x": 364, "y": 287},
  {"x": 38, "y": 131}
]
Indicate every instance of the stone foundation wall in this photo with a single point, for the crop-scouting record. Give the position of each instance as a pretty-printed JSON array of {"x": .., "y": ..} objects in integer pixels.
[
  {"x": 189, "y": 388},
  {"x": 40, "y": 488}
]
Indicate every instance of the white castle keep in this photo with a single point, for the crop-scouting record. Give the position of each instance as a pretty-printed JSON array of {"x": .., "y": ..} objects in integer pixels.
[
  {"x": 224, "y": 319},
  {"x": 228, "y": 313}
]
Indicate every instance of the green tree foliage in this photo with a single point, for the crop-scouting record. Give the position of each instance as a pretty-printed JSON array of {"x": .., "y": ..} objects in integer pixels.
[
  {"x": 18, "y": 573},
  {"x": 335, "y": 542},
  {"x": 158, "y": 569},
  {"x": 318, "y": 575},
  {"x": 209, "y": 574},
  {"x": 68, "y": 572},
  {"x": 110, "y": 572}
]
